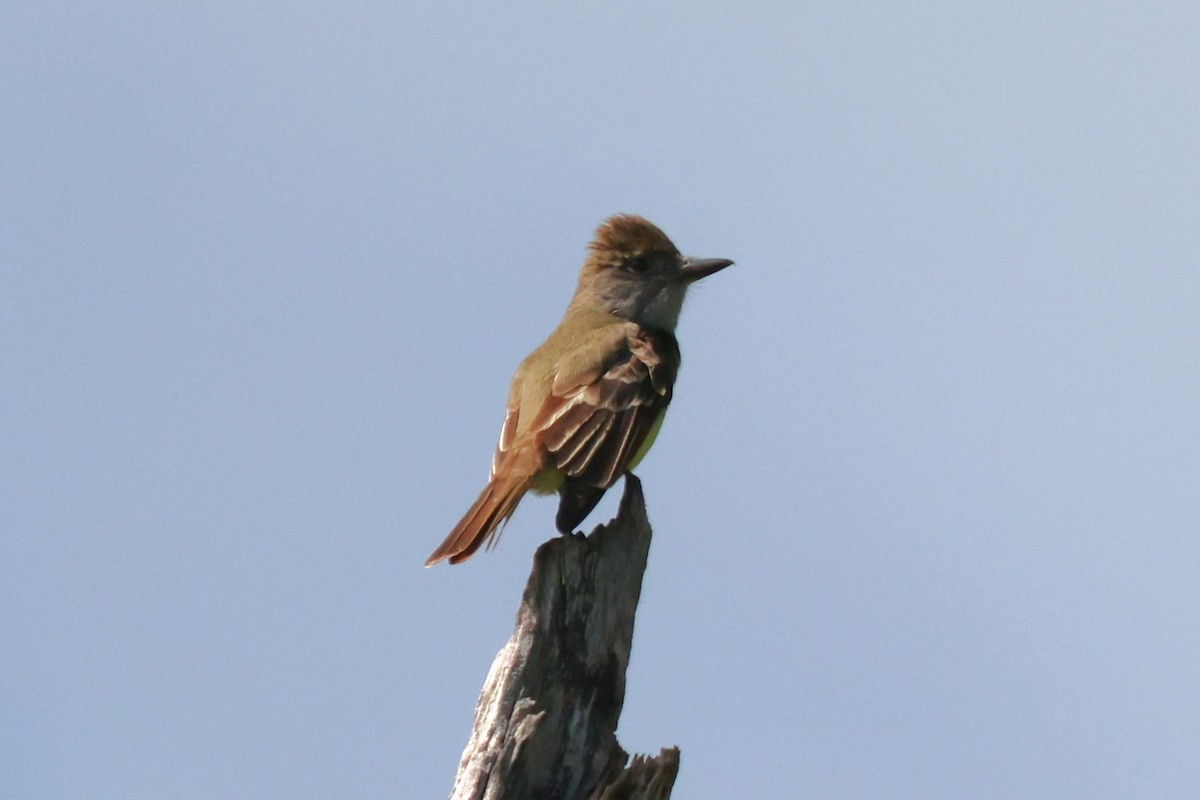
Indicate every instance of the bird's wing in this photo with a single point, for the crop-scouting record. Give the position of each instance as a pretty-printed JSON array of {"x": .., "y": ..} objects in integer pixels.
[
  {"x": 508, "y": 432},
  {"x": 597, "y": 415}
]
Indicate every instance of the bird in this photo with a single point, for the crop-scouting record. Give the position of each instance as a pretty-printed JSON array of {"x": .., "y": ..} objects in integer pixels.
[{"x": 585, "y": 406}]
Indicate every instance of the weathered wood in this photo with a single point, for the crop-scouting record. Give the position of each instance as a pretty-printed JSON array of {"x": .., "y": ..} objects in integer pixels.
[{"x": 546, "y": 719}]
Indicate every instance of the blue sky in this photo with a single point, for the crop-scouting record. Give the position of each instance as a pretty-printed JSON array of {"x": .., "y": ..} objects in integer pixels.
[{"x": 925, "y": 504}]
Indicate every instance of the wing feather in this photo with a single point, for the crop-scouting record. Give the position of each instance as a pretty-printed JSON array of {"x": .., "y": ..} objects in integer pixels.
[
  {"x": 508, "y": 432},
  {"x": 593, "y": 425}
]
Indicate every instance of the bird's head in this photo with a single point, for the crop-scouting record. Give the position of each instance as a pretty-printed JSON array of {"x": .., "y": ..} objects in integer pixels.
[{"x": 635, "y": 272}]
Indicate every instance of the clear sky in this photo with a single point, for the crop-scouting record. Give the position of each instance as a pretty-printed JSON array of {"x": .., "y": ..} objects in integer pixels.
[{"x": 925, "y": 506}]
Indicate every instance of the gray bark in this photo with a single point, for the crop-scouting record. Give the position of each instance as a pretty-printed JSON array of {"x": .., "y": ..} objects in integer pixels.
[{"x": 545, "y": 723}]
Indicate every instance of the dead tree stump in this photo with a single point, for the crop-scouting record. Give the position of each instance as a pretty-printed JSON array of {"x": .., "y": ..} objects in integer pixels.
[{"x": 545, "y": 723}]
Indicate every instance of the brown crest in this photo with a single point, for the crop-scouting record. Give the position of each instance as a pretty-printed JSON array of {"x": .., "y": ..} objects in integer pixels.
[{"x": 626, "y": 235}]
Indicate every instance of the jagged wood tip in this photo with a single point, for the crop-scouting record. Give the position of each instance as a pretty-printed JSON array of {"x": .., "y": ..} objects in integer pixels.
[{"x": 545, "y": 723}]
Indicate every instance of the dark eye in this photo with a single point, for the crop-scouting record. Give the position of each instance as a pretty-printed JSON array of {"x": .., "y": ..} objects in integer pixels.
[{"x": 637, "y": 264}]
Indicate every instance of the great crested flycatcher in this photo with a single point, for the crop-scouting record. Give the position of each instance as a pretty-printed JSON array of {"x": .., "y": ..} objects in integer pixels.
[{"x": 585, "y": 406}]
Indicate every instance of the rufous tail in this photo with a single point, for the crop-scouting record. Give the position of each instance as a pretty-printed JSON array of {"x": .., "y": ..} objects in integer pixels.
[{"x": 482, "y": 521}]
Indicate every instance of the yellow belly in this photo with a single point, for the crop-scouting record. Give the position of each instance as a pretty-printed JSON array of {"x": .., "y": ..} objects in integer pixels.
[
  {"x": 648, "y": 443},
  {"x": 548, "y": 481}
]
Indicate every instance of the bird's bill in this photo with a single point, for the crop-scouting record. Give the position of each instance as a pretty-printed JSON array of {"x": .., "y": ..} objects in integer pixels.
[{"x": 696, "y": 268}]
